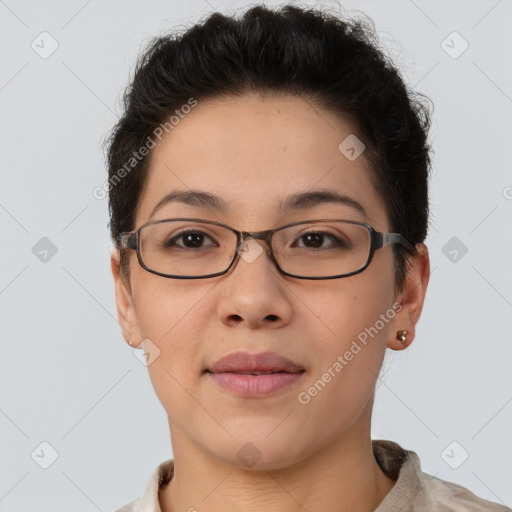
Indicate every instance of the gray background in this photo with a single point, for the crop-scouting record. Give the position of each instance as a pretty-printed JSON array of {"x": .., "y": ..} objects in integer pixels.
[{"x": 67, "y": 376}]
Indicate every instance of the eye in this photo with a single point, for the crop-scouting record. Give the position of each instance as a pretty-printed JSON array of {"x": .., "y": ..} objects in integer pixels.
[
  {"x": 191, "y": 240},
  {"x": 315, "y": 239}
]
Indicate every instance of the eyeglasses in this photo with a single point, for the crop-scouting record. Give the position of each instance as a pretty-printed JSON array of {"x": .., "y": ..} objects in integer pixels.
[{"x": 185, "y": 248}]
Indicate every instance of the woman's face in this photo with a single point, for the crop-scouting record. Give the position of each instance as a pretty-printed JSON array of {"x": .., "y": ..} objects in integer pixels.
[{"x": 253, "y": 153}]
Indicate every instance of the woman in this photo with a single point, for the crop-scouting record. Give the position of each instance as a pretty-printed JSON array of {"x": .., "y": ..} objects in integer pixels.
[{"x": 269, "y": 202}]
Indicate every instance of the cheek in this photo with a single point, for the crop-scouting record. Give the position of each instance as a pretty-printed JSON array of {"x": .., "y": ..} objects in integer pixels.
[
  {"x": 352, "y": 306},
  {"x": 171, "y": 318},
  {"x": 349, "y": 348},
  {"x": 351, "y": 327},
  {"x": 162, "y": 305}
]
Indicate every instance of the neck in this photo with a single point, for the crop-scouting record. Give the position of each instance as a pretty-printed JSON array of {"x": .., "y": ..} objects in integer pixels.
[{"x": 344, "y": 476}]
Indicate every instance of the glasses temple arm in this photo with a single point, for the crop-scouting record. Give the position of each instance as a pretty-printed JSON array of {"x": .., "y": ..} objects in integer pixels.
[
  {"x": 382, "y": 239},
  {"x": 127, "y": 241}
]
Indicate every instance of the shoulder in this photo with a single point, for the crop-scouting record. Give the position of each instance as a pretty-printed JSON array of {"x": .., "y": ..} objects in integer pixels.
[
  {"x": 130, "y": 507},
  {"x": 148, "y": 501},
  {"x": 447, "y": 496},
  {"x": 416, "y": 491}
]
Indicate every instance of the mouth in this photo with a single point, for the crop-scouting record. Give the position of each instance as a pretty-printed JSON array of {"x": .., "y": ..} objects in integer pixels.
[
  {"x": 257, "y": 373},
  {"x": 254, "y": 375},
  {"x": 255, "y": 384}
]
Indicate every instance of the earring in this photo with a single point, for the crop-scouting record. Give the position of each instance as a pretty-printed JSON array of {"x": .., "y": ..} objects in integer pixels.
[
  {"x": 401, "y": 336},
  {"x": 130, "y": 342}
]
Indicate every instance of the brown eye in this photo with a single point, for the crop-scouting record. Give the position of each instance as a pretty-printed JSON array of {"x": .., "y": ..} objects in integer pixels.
[
  {"x": 190, "y": 240},
  {"x": 315, "y": 239}
]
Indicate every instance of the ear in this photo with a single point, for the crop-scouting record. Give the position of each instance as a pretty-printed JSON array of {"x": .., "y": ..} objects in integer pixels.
[
  {"x": 411, "y": 298},
  {"x": 124, "y": 301}
]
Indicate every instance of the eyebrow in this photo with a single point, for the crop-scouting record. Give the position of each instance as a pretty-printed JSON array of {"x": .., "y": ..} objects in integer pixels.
[
  {"x": 192, "y": 197},
  {"x": 310, "y": 199},
  {"x": 297, "y": 201}
]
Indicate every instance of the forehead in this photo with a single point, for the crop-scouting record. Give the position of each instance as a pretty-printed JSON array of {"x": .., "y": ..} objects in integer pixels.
[{"x": 253, "y": 153}]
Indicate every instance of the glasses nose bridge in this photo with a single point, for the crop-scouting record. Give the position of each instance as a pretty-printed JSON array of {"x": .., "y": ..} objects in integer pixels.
[{"x": 259, "y": 235}]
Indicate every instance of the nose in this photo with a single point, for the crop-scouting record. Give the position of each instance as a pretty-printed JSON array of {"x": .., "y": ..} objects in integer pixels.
[{"x": 254, "y": 293}]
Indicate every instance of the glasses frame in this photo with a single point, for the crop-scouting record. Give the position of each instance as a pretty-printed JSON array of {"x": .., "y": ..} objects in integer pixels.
[{"x": 378, "y": 239}]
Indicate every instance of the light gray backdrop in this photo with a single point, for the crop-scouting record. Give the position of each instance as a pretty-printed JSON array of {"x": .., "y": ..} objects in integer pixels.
[{"x": 73, "y": 397}]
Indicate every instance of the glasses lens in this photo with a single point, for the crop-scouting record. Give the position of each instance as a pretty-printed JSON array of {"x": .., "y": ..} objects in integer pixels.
[
  {"x": 322, "y": 249},
  {"x": 187, "y": 248}
]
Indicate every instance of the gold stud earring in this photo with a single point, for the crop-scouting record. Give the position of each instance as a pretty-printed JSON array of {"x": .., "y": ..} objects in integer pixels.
[{"x": 401, "y": 336}]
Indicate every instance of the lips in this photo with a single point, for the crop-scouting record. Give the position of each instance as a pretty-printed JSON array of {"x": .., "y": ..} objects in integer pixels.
[
  {"x": 254, "y": 364},
  {"x": 255, "y": 375}
]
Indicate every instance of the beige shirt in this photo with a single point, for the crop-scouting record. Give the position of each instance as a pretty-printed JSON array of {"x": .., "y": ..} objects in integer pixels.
[{"x": 414, "y": 491}]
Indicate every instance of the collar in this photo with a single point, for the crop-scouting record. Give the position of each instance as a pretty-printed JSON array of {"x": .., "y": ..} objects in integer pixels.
[{"x": 399, "y": 464}]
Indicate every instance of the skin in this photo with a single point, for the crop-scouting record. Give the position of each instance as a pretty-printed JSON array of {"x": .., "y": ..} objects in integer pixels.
[{"x": 253, "y": 152}]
